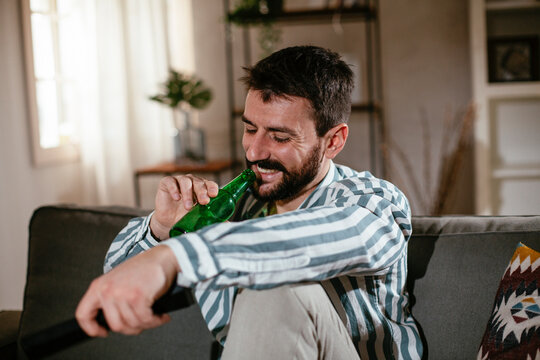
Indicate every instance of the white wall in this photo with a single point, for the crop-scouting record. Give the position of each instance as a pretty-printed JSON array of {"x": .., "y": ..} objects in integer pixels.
[
  {"x": 210, "y": 64},
  {"x": 425, "y": 61},
  {"x": 425, "y": 66},
  {"x": 22, "y": 186}
]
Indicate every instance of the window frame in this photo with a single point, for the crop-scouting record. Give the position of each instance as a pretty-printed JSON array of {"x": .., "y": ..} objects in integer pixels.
[{"x": 63, "y": 153}]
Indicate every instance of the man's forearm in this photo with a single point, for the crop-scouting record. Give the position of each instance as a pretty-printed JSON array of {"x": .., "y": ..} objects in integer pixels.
[{"x": 321, "y": 243}]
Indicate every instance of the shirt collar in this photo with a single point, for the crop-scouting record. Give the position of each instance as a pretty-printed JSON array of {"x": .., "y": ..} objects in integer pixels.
[{"x": 328, "y": 179}]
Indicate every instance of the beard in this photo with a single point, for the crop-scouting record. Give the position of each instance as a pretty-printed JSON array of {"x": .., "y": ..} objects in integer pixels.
[{"x": 292, "y": 182}]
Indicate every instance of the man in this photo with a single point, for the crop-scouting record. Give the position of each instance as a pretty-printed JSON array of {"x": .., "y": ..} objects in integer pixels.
[{"x": 316, "y": 266}]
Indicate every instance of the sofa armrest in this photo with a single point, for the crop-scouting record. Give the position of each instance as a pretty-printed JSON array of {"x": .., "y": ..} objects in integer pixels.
[{"x": 9, "y": 327}]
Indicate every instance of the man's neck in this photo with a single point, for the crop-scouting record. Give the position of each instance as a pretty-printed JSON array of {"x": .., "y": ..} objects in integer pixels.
[
  {"x": 283, "y": 207},
  {"x": 293, "y": 204}
]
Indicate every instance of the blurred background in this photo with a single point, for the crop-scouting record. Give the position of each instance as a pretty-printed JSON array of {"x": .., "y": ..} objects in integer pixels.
[{"x": 446, "y": 104}]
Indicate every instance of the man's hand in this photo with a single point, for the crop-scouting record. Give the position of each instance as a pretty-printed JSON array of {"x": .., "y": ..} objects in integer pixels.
[
  {"x": 175, "y": 196},
  {"x": 126, "y": 294}
]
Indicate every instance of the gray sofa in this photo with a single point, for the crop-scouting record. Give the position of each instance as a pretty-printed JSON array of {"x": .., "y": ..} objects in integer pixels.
[{"x": 455, "y": 265}]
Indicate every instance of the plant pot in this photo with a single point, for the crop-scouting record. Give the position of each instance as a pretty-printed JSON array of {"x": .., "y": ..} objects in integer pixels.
[
  {"x": 275, "y": 7},
  {"x": 189, "y": 142}
]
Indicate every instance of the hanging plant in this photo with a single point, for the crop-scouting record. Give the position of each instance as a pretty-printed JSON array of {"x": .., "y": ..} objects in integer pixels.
[
  {"x": 255, "y": 12},
  {"x": 259, "y": 13}
]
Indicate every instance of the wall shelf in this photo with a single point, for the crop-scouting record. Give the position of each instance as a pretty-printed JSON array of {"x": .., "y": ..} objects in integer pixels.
[
  {"x": 512, "y": 5},
  {"x": 518, "y": 89},
  {"x": 511, "y": 173},
  {"x": 301, "y": 16},
  {"x": 356, "y": 108},
  {"x": 371, "y": 102}
]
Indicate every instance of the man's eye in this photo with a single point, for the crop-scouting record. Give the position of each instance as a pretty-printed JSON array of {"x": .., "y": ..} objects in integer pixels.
[
  {"x": 281, "y": 139},
  {"x": 250, "y": 131}
]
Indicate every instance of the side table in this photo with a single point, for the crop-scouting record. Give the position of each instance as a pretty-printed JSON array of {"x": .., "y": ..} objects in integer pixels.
[{"x": 215, "y": 168}]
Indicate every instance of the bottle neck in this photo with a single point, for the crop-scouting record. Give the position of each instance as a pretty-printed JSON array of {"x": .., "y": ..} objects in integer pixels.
[{"x": 240, "y": 184}]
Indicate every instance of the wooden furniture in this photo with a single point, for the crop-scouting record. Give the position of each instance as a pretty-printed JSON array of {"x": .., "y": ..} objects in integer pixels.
[
  {"x": 214, "y": 168},
  {"x": 507, "y": 128}
]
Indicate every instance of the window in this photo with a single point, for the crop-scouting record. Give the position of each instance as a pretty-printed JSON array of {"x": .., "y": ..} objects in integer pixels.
[{"x": 55, "y": 58}]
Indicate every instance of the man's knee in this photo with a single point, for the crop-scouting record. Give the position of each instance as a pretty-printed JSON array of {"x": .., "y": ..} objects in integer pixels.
[
  {"x": 269, "y": 324},
  {"x": 294, "y": 319},
  {"x": 278, "y": 306}
]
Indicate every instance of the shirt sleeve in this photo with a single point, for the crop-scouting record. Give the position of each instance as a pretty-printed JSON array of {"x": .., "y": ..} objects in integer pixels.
[
  {"x": 356, "y": 225},
  {"x": 135, "y": 238}
]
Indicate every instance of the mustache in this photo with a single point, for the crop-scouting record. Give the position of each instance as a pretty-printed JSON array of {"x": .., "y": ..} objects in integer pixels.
[{"x": 268, "y": 164}]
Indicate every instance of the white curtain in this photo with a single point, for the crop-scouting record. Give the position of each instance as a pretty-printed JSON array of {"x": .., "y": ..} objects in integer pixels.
[{"x": 122, "y": 129}]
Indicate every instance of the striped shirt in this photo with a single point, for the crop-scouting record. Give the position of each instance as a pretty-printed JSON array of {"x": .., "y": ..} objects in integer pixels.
[{"x": 350, "y": 235}]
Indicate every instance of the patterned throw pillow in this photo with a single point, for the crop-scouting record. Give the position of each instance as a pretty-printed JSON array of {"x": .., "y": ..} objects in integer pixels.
[{"x": 513, "y": 330}]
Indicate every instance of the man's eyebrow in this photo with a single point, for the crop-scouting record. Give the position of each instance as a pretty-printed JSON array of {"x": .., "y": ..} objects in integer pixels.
[
  {"x": 245, "y": 119},
  {"x": 281, "y": 129}
]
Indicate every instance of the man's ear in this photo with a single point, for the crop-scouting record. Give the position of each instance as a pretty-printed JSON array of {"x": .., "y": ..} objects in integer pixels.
[{"x": 335, "y": 140}]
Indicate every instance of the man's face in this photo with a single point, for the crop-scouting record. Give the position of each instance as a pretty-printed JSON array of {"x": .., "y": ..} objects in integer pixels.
[{"x": 281, "y": 146}]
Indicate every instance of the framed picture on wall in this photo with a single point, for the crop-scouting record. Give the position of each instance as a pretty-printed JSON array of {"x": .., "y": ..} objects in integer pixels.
[{"x": 513, "y": 59}]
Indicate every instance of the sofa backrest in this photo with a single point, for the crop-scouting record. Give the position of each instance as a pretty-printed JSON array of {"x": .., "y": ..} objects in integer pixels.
[
  {"x": 455, "y": 266},
  {"x": 66, "y": 252}
]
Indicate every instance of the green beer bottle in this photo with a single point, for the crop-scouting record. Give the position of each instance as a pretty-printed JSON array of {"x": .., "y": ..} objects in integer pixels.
[{"x": 219, "y": 209}]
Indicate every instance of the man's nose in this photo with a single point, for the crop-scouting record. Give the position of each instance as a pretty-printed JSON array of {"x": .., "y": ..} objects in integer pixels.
[{"x": 256, "y": 148}]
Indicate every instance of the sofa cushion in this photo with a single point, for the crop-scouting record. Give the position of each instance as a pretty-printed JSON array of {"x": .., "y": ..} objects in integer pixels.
[
  {"x": 455, "y": 264},
  {"x": 513, "y": 330},
  {"x": 9, "y": 321},
  {"x": 66, "y": 252}
]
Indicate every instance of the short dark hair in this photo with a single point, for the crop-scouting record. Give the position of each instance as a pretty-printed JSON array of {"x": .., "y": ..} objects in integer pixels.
[{"x": 316, "y": 74}]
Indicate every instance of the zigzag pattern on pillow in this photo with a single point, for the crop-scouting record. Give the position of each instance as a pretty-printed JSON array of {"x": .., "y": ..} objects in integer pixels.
[{"x": 513, "y": 330}]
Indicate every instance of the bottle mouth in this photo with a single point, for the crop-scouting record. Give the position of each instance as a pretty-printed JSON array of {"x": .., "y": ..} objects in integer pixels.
[{"x": 250, "y": 175}]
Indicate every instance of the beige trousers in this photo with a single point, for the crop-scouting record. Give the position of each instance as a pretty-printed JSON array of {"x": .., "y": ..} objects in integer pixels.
[{"x": 289, "y": 322}]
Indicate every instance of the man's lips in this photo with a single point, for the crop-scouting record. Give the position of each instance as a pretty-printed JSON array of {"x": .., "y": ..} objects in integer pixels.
[
  {"x": 266, "y": 171},
  {"x": 267, "y": 175},
  {"x": 266, "y": 165}
]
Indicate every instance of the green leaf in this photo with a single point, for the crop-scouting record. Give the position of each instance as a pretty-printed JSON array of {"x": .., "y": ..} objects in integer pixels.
[{"x": 180, "y": 88}]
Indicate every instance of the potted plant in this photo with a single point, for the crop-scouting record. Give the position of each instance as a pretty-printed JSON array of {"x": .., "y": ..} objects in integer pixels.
[{"x": 183, "y": 93}]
